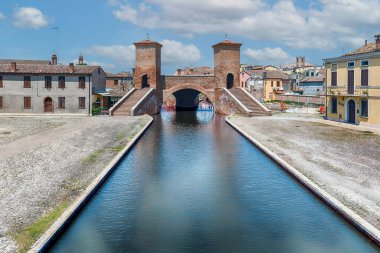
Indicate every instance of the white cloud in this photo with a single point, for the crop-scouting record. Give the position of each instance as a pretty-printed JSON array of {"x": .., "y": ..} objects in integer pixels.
[
  {"x": 2, "y": 16},
  {"x": 326, "y": 24},
  {"x": 173, "y": 53},
  {"x": 176, "y": 53},
  {"x": 267, "y": 55},
  {"x": 122, "y": 55},
  {"x": 29, "y": 17}
]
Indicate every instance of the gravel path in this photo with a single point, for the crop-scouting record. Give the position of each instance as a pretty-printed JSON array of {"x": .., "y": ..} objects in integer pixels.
[
  {"x": 344, "y": 162},
  {"x": 45, "y": 161}
]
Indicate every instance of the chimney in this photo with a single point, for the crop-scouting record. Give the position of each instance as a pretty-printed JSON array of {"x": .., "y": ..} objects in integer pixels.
[
  {"x": 54, "y": 59},
  {"x": 81, "y": 59},
  {"x": 13, "y": 66},
  {"x": 179, "y": 72},
  {"x": 366, "y": 43},
  {"x": 71, "y": 67},
  {"x": 377, "y": 37}
]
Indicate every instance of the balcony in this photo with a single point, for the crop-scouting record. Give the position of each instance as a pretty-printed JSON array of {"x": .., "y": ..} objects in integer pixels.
[{"x": 359, "y": 91}]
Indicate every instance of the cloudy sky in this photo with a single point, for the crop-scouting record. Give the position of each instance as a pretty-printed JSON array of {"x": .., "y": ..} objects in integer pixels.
[{"x": 272, "y": 32}]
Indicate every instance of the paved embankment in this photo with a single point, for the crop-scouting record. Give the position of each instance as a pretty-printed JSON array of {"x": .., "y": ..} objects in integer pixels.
[
  {"x": 342, "y": 161},
  {"x": 45, "y": 164}
]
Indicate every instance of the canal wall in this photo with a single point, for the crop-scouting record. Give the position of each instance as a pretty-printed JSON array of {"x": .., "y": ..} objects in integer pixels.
[
  {"x": 362, "y": 225},
  {"x": 63, "y": 221}
]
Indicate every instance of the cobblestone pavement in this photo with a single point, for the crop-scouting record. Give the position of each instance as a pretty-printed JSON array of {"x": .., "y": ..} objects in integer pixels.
[
  {"x": 45, "y": 160},
  {"x": 342, "y": 160}
]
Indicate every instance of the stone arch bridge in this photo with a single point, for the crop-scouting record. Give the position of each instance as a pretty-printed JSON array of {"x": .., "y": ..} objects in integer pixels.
[{"x": 153, "y": 90}]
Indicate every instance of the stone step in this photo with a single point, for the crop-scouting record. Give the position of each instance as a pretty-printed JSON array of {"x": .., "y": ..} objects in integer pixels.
[{"x": 125, "y": 108}]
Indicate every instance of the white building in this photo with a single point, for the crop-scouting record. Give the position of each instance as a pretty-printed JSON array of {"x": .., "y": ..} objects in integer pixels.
[{"x": 50, "y": 88}]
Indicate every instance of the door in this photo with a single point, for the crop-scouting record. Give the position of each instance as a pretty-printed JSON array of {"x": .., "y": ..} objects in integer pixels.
[
  {"x": 144, "y": 81},
  {"x": 230, "y": 81},
  {"x": 350, "y": 83},
  {"x": 48, "y": 105},
  {"x": 351, "y": 112}
]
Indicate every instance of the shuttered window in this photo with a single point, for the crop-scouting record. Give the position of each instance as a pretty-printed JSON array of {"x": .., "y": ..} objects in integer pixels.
[
  {"x": 334, "y": 105},
  {"x": 82, "y": 82},
  {"x": 27, "y": 82},
  {"x": 61, "y": 82},
  {"x": 1, "y": 102},
  {"x": 82, "y": 103},
  {"x": 364, "y": 108},
  {"x": 334, "y": 80},
  {"x": 48, "y": 82},
  {"x": 61, "y": 102},
  {"x": 364, "y": 77},
  {"x": 1, "y": 81},
  {"x": 27, "y": 102}
]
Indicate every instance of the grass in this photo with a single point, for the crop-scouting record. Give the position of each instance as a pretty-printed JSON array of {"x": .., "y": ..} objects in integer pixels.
[
  {"x": 91, "y": 159},
  {"x": 26, "y": 237}
]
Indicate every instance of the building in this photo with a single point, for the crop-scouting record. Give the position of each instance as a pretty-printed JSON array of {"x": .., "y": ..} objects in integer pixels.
[
  {"x": 195, "y": 71},
  {"x": 117, "y": 86},
  {"x": 264, "y": 84},
  {"x": 50, "y": 88},
  {"x": 352, "y": 85},
  {"x": 312, "y": 85}
]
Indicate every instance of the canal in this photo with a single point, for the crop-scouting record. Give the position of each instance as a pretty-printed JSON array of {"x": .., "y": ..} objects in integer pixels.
[{"x": 193, "y": 184}]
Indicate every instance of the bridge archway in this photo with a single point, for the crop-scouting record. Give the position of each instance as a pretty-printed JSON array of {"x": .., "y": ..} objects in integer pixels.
[{"x": 188, "y": 96}]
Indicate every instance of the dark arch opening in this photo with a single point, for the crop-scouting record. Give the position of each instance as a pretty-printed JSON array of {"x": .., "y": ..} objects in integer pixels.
[
  {"x": 144, "y": 81},
  {"x": 48, "y": 104},
  {"x": 191, "y": 100},
  {"x": 230, "y": 81}
]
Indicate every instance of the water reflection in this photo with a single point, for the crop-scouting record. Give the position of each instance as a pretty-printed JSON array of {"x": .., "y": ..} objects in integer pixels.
[{"x": 192, "y": 184}]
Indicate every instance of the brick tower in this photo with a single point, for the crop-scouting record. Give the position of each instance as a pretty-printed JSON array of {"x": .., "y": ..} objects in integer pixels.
[
  {"x": 148, "y": 64},
  {"x": 227, "y": 64}
]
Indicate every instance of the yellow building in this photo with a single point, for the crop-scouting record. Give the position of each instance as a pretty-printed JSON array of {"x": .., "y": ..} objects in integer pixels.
[{"x": 353, "y": 85}]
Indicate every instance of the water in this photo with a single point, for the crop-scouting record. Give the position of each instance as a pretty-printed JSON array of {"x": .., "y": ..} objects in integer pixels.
[{"x": 193, "y": 184}]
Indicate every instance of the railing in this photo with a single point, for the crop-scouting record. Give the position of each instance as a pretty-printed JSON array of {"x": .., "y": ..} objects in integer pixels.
[{"x": 361, "y": 91}]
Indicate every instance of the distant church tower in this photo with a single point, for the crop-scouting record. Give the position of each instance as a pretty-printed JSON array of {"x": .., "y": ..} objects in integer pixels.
[
  {"x": 148, "y": 64},
  {"x": 81, "y": 60},
  {"x": 227, "y": 64}
]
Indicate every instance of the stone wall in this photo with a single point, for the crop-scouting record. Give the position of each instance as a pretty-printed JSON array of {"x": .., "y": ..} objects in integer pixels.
[{"x": 319, "y": 100}]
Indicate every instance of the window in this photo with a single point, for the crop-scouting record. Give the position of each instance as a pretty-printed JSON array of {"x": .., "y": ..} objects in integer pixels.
[
  {"x": 1, "y": 81},
  {"x": 27, "y": 82},
  {"x": 48, "y": 82},
  {"x": 61, "y": 103},
  {"x": 82, "y": 103},
  {"x": 1, "y": 102},
  {"x": 364, "y": 63},
  {"x": 61, "y": 82},
  {"x": 334, "y": 79},
  {"x": 115, "y": 82},
  {"x": 271, "y": 83},
  {"x": 82, "y": 82},
  {"x": 351, "y": 64},
  {"x": 27, "y": 102},
  {"x": 364, "y": 77},
  {"x": 278, "y": 83},
  {"x": 334, "y": 105},
  {"x": 364, "y": 108}
]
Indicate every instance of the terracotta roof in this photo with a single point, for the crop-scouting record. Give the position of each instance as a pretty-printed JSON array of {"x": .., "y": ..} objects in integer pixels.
[
  {"x": 9, "y": 61},
  {"x": 312, "y": 79},
  {"x": 47, "y": 69},
  {"x": 147, "y": 42},
  {"x": 268, "y": 74},
  {"x": 369, "y": 48},
  {"x": 121, "y": 74},
  {"x": 227, "y": 42}
]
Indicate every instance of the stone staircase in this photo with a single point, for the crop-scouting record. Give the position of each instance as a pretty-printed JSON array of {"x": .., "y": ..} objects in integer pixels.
[
  {"x": 123, "y": 107},
  {"x": 252, "y": 104}
]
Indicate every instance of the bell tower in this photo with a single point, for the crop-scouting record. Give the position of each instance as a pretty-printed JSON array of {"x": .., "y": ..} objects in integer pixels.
[
  {"x": 148, "y": 64},
  {"x": 227, "y": 64}
]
